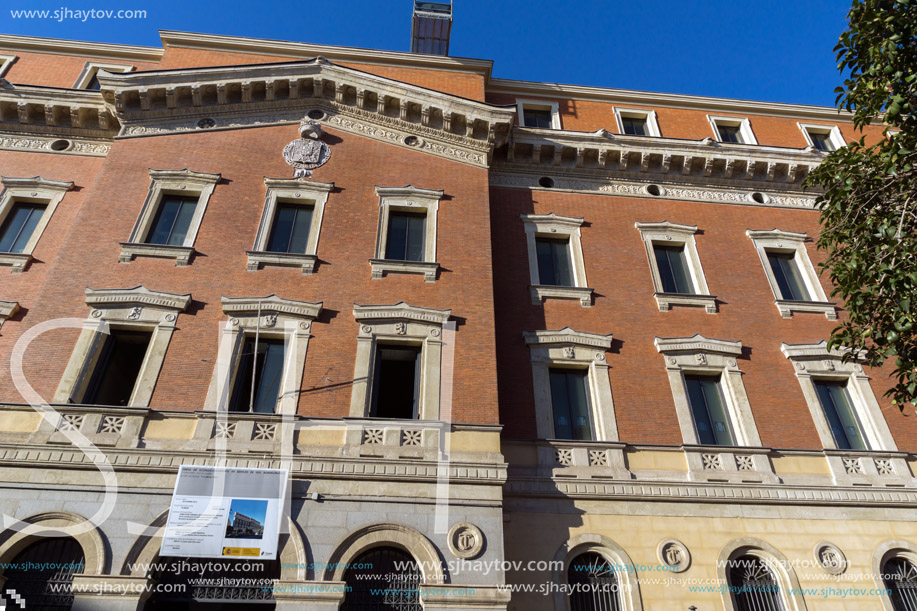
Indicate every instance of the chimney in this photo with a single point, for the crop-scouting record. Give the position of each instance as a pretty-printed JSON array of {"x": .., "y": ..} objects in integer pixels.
[{"x": 431, "y": 26}]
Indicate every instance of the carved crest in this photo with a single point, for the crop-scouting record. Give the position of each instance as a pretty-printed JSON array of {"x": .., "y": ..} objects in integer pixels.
[{"x": 308, "y": 152}]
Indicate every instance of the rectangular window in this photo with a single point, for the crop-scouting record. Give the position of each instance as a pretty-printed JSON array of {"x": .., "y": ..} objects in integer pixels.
[
  {"x": 19, "y": 226},
  {"x": 730, "y": 133},
  {"x": 845, "y": 427},
  {"x": 553, "y": 262},
  {"x": 405, "y": 240},
  {"x": 635, "y": 126},
  {"x": 673, "y": 269},
  {"x": 570, "y": 404},
  {"x": 396, "y": 382},
  {"x": 260, "y": 368},
  {"x": 290, "y": 233},
  {"x": 787, "y": 276},
  {"x": 821, "y": 141},
  {"x": 170, "y": 226},
  {"x": 709, "y": 411},
  {"x": 117, "y": 368},
  {"x": 538, "y": 117}
]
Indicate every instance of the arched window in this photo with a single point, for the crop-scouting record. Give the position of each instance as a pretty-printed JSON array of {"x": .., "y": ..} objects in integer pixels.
[
  {"x": 593, "y": 583},
  {"x": 900, "y": 576},
  {"x": 45, "y": 589},
  {"x": 187, "y": 584},
  {"x": 382, "y": 579},
  {"x": 753, "y": 585}
]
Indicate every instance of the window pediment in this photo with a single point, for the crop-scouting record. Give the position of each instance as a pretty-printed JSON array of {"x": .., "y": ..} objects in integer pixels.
[
  {"x": 247, "y": 307},
  {"x": 137, "y": 296},
  {"x": 400, "y": 312},
  {"x": 567, "y": 336},
  {"x": 697, "y": 343}
]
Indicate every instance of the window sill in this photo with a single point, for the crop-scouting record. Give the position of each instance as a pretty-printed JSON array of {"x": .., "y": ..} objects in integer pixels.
[
  {"x": 18, "y": 262},
  {"x": 257, "y": 258},
  {"x": 380, "y": 267},
  {"x": 665, "y": 301},
  {"x": 787, "y": 307},
  {"x": 540, "y": 292},
  {"x": 181, "y": 254}
]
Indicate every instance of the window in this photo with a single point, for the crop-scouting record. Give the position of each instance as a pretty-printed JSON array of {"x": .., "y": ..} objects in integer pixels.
[
  {"x": 845, "y": 427},
  {"x": 733, "y": 130},
  {"x": 26, "y": 207},
  {"x": 571, "y": 386},
  {"x": 594, "y": 585},
  {"x": 636, "y": 122},
  {"x": 407, "y": 232},
  {"x": 675, "y": 266},
  {"x": 556, "y": 268},
  {"x": 587, "y": 563},
  {"x": 709, "y": 410},
  {"x": 42, "y": 573},
  {"x": 171, "y": 216},
  {"x": 792, "y": 277},
  {"x": 753, "y": 585},
  {"x": 290, "y": 224},
  {"x": 258, "y": 376},
  {"x": 89, "y": 79},
  {"x": 538, "y": 114},
  {"x": 823, "y": 138},
  {"x": 396, "y": 383},
  {"x": 899, "y": 576},
  {"x": 118, "y": 367},
  {"x": 387, "y": 570},
  {"x": 569, "y": 404}
]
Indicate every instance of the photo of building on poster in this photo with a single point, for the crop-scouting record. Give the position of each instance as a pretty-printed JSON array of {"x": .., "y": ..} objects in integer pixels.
[{"x": 246, "y": 519}]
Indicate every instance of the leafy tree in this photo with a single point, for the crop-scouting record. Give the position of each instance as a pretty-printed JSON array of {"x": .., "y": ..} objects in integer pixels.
[{"x": 869, "y": 201}]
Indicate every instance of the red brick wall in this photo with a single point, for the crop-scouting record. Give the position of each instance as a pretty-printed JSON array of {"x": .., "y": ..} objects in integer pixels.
[{"x": 57, "y": 70}]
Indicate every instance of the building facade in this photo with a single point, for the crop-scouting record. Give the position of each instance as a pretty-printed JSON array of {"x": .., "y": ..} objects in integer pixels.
[{"x": 510, "y": 339}]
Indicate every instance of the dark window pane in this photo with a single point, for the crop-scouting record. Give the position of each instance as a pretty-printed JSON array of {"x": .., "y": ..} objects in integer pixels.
[
  {"x": 396, "y": 382},
  {"x": 94, "y": 83},
  {"x": 117, "y": 368},
  {"x": 172, "y": 220},
  {"x": 267, "y": 362},
  {"x": 634, "y": 126},
  {"x": 537, "y": 117},
  {"x": 405, "y": 240},
  {"x": 753, "y": 583},
  {"x": 673, "y": 269},
  {"x": 729, "y": 133},
  {"x": 553, "y": 262},
  {"x": 290, "y": 232},
  {"x": 821, "y": 141},
  {"x": 787, "y": 275},
  {"x": 594, "y": 585},
  {"x": 844, "y": 424},
  {"x": 19, "y": 226},
  {"x": 709, "y": 410},
  {"x": 900, "y": 577},
  {"x": 570, "y": 404},
  {"x": 42, "y": 574}
]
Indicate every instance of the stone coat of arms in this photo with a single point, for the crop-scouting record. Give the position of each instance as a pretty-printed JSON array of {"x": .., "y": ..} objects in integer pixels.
[{"x": 308, "y": 152}]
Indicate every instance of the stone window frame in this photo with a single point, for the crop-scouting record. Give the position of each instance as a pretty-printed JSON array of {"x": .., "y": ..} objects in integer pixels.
[
  {"x": 398, "y": 324},
  {"x": 553, "y": 107},
  {"x": 745, "y": 130},
  {"x": 29, "y": 190},
  {"x": 90, "y": 69},
  {"x": 784, "y": 573},
  {"x": 553, "y": 226},
  {"x": 8, "y": 309},
  {"x": 777, "y": 240},
  {"x": 652, "y": 123},
  {"x": 5, "y": 62},
  {"x": 407, "y": 199},
  {"x": 182, "y": 182},
  {"x": 699, "y": 355},
  {"x": 668, "y": 233},
  {"x": 813, "y": 362},
  {"x": 889, "y": 550},
  {"x": 628, "y": 581},
  {"x": 833, "y": 131},
  {"x": 280, "y": 318},
  {"x": 569, "y": 349},
  {"x": 134, "y": 309},
  {"x": 289, "y": 191}
]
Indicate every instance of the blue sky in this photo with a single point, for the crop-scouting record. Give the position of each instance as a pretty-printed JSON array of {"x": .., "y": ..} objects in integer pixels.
[{"x": 771, "y": 50}]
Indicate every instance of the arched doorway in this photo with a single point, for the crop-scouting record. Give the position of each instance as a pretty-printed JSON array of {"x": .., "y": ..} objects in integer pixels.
[
  {"x": 754, "y": 585},
  {"x": 48, "y": 587},
  {"x": 208, "y": 584},
  {"x": 594, "y": 583},
  {"x": 382, "y": 579}
]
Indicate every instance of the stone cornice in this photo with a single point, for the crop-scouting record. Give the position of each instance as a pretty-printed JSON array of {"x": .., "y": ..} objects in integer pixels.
[
  {"x": 697, "y": 343},
  {"x": 666, "y": 227},
  {"x": 56, "y": 46},
  {"x": 30, "y": 109},
  {"x": 8, "y": 309},
  {"x": 298, "y": 183},
  {"x": 139, "y": 295},
  {"x": 818, "y": 350},
  {"x": 185, "y": 176},
  {"x": 776, "y": 234},
  {"x": 567, "y": 336},
  {"x": 409, "y": 191},
  {"x": 36, "y": 182},
  {"x": 552, "y": 219},
  {"x": 400, "y": 311},
  {"x": 51, "y": 144},
  {"x": 269, "y": 304}
]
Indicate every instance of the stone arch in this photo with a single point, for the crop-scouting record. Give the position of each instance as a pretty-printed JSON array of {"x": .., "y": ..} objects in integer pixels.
[
  {"x": 884, "y": 553},
  {"x": 390, "y": 535},
  {"x": 791, "y": 593},
  {"x": 95, "y": 551},
  {"x": 611, "y": 551}
]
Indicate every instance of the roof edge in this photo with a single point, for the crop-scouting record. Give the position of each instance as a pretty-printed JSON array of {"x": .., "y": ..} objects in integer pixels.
[{"x": 60, "y": 46}]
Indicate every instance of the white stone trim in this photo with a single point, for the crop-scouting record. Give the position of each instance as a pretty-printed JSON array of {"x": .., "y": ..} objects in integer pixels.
[
  {"x": 628, "y": 581},
  {"x": 280, "y": 318},
  {"x": 554, "y": 226},
  {"x": 407, "y": 199},
  {"x": 553, "y": 107},
  {"x": 290, "y": 191},
  {"x": 398, "y": 324},
  {"x": 138, "y": 309},
  {"x": 8, "y": 309},
  {"x": 90, "y": 69},
  {"x": 699, "y": 355},
  {"x": 386, "y": 534},
  {"x": 744, "y": 125},
  {"x": 29, "y": 190},
  {"x": 5, "y": 62},
  {"x": 652, "y": 125},
  {"x": 834, "y": 134},
  {"x": 673, "y": 234},
  {"x": 183, "y": 182},
  {"x": 566, "y": 348},
  {"x": 777, "y": 240},
  {"x": 791, "y": 593},
  {"x": 56, "y": 523},
  {"x": 885, "y": 552}
]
